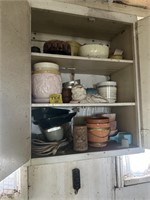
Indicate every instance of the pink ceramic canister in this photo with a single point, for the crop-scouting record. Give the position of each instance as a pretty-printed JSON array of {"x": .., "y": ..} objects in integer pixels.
[{"x": 46, "y": 80}]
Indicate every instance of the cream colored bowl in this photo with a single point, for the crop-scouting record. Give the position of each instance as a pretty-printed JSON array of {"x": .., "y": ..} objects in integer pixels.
[{"x": 94, "y": 50}]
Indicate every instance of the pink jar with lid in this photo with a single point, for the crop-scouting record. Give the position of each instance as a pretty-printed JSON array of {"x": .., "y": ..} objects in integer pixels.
[{"x": 46, "y": 80}]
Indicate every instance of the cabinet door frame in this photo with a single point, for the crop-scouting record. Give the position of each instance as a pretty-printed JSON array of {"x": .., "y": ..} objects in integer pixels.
[{"x": 143, "y": 32}]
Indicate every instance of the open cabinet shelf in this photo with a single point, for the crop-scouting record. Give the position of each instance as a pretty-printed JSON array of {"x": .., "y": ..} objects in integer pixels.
[
  {"x": 37, "y": 105},
  {"x": 82, "y": 65},
  {"x": 118, "y": 32},
  {"x": 93, "y": 154}
]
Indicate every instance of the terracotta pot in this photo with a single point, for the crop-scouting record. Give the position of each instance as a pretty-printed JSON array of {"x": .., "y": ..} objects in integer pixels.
[
  {"x": 97, "y": 120},
  {"x": 95, "y": 126},
  {"x": 100, "y": 135}
]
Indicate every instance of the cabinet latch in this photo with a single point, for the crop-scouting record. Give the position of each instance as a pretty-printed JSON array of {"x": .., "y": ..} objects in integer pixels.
[{"x": 76, "y": 180}]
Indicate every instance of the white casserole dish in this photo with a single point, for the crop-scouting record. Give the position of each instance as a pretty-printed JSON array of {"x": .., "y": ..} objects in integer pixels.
[{"x": 94, "y": 50}]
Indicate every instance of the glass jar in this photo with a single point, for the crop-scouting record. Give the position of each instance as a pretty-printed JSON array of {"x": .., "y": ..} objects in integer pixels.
[
  {"x": 66, "y": 95},
  {"x": 80, "y": 140},
  {"x": 108, "y": 90}
]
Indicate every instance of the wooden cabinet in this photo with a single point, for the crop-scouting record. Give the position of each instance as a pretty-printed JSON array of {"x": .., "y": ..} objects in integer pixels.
[
  {"x": 55, "y": 181},
  {"x": 67, "y": 22},
  {"x": 86, "y": 26}
]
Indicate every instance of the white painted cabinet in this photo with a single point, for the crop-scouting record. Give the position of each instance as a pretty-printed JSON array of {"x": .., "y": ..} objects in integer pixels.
[
  {"x": 55, "y": 181},
  {"x": 143, "y": 28},
  {"x": 57, "y": 20},
  {"x": 86, "y": 25}
]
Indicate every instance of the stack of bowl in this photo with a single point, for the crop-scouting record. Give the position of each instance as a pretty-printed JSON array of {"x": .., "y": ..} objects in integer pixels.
[
  {"x": 113, "y": 123},
  {"x": 98, "y": 131}
]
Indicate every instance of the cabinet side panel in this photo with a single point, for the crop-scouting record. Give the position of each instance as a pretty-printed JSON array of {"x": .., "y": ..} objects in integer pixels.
[
  {"x": 123, "y": 41},
  {"x": 125, "y": 84},
  {"x": 14, "y": 85}
]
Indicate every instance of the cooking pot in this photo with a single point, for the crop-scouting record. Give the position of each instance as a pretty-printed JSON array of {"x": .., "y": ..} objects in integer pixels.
[
  {"x": 53, "y": 134},
  {"x": 70, "y": 84}
]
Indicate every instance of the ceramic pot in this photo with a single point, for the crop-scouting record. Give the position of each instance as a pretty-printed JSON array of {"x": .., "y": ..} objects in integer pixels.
[
  {"x": 96, "y": 126},
  {"x": 46, "y": 80},
  {"x": 94, "y": 50},
  {"x": 97, "y": 120},
  {"x": 99, "y": 135}
]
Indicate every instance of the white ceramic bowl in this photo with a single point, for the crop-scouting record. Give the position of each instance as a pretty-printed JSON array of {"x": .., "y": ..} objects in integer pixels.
[{"x": 94, "y": 50}]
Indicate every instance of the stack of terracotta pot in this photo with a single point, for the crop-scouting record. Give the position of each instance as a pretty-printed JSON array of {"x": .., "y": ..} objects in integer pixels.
[{"x": 98, "y": 131}]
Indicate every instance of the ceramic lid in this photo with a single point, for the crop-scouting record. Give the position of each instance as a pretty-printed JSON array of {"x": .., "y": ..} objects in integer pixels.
[{"x": 45, "y": 66}]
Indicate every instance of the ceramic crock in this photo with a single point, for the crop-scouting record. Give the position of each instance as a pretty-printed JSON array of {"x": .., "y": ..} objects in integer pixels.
[{"x": 46, "y": 80}]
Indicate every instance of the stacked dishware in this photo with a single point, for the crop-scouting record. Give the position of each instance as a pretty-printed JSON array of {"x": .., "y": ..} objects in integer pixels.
[
  {"x": 98, "y": 131},
  {"x": 113, "y": 123},
  {"x": 108, "y": 90}
]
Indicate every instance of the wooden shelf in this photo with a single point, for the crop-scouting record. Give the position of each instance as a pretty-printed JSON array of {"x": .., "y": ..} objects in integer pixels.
[
  {"x": 82, "y": 65},
  {"x": 83, "y": 105}
]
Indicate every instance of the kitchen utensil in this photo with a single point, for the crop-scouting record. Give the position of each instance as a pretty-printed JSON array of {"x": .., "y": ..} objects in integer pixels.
[
  {"x": 71, "y": 83},
  {"x": 53, "y": 134}
]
